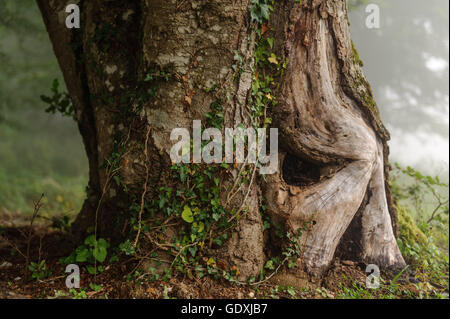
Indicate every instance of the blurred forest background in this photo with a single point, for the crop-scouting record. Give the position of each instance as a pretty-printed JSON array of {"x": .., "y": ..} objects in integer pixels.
[
  {"x": 39, "y": 152},
  {"x": 406, "y": 62}
]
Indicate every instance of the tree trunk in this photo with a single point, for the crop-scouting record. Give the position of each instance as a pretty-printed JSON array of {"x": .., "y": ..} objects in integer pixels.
[{"x": 138, "y": 69}]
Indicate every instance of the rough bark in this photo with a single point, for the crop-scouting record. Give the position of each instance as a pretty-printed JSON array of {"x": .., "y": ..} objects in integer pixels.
[{"x": 333, "y": 160}]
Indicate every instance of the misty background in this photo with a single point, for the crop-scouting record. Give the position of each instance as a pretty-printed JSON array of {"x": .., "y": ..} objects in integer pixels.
[{"x": 406, "y": 61}]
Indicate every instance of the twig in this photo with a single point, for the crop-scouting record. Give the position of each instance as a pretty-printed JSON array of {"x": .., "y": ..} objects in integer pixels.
[
  {"x": 145, "y": 187},
  {"x": 246, "y": 195},
  {"x": 180, "y": 251},
  {"x": 14, "y": 246},
  {"x": 37, "y": 206},
  {"x": 231, "y": 194}
]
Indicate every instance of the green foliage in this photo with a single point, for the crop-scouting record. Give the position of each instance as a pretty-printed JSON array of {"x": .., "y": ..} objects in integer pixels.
[
  {"x": 199, "y": 206},
  {"x": 268, "y": 68},
  {"x": 423, "y": 224},
  {"x": 417, "y": 197},
  {"x": 59, "y": 101},
  {"x": 260, "y": 10},
  {"x": 127, "y": 248},
  {"x": 192, "y": 195},
  {"x": 92, "y": 251},
  {"x": 39, "y": 270},
  {"x": 356, "y": 291},
  {"x": 215, "y": 118},
  {"x": 78, "y": 294},
  {"x": 426, "y": 198},
  {"x": 61, "y": 222},
  {"x": 154, "y": 78},
  {"x": 187, "y": 215}
]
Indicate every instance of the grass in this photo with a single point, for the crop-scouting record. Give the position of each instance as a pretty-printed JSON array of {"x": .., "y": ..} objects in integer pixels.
[{"x": 424, "y": 243}]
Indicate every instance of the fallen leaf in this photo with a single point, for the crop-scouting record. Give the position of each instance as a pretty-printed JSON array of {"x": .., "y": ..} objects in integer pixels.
[
  {"x": 188, "y": 100},
  {"x": 210, "y": 262},
  {"x": 125, "y": 162},
  {"x": 264, "y": 28}
]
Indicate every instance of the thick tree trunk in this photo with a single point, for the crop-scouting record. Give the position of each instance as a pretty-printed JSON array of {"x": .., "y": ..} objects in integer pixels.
[{"x": 332, "y": 181}]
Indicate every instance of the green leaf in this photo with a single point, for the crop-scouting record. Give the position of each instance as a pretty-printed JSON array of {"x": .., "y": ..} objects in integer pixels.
[
  {"x": 102, "y": 243},
  {"x": 127, "y": 248},
  {"x": 82, "y": 256},
  {"x": 187, "y": 214},
  {"x": 269, "y": 265},
  {"x": 200, "y": 226},
  {"x": 95, "y": 287},
  {"x": 91, "y": 269},
  {"x": 100, "y": 253},
  {"x": 90, "y": 240}
]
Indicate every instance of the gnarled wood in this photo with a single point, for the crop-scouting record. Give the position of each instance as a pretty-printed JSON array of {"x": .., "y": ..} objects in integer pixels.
[{"x": 321, "y": 123}]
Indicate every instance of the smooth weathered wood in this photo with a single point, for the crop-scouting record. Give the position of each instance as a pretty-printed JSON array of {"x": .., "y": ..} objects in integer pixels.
[{"x": 323, "y": 124}]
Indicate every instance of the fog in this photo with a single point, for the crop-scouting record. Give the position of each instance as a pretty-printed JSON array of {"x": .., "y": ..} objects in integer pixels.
[{"x": 406, "y": 62}]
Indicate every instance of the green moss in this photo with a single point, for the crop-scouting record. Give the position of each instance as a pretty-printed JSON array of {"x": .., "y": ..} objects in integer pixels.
[
  {"x": 409, "y": 232},
  {"x": 356, "y": 57}
]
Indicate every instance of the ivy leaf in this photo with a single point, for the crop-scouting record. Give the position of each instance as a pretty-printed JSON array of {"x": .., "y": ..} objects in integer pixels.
[
  {"x": 127, "y": 248},
  {"x": 102, "y": 243},
  {"x": 90, "y": 240},
  {"x": 187, "y": 214},
  {"x": 269, "y": 265},
  {"x": 200, "y": 226},
  {"x": 260, "y": 11},
  {"x": 273, "y": 59},
  {"x": 91, "y": 269},
  {"x": 82, "y": 256},
  {"x": 100, "y": 253}
]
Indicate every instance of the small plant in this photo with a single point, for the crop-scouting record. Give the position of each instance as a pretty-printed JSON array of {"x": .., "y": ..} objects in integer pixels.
[
  {"x": 81, "y": 294},
  {"x": 39, "y": 270},
  {"x": 59, "y": 102},
  {"x": 95, "y": 287},
  {"x": 422, "y": 203},
  {"x": 127, "y": 248},
  {"x": 61, "y": 222},
  {"x": 91, "y": 252}
]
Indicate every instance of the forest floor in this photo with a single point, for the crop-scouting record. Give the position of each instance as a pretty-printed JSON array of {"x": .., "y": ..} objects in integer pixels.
[{"x": 345, "y": 279}]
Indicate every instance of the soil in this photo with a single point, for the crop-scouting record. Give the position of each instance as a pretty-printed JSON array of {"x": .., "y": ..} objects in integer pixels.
[{"x": 50, "y": 245}]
